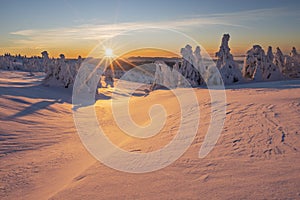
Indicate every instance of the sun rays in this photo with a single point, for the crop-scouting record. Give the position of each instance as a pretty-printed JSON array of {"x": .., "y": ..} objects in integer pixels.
[{"x": 112, "y": 59}]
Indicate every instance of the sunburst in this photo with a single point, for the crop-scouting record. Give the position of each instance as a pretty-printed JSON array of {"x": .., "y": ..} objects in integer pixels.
[{"x": 109, "y": 53}]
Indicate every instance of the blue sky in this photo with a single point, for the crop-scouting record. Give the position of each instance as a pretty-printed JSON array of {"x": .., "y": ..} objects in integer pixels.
[{"x": 75, "y": 27}]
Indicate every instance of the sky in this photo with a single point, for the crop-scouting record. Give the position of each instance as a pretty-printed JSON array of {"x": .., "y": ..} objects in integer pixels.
[{"x": 76, "y": 27}]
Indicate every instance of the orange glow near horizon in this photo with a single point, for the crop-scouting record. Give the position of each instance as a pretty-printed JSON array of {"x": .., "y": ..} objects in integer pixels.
[
  {"x": 150, "y": 53},
  {"x": 73, "y": 53}
]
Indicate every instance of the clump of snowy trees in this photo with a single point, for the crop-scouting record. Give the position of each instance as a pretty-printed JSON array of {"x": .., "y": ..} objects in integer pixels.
[
  {"x": 60, "y": 72},
  {"x": 22, "y": 63},
  {"x": 190, "y": 70},
  {"x": 258, "y": 66}
]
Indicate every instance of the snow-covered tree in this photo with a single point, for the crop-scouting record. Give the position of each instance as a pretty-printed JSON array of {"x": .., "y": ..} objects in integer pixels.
[{"x": 259, "y": 67}]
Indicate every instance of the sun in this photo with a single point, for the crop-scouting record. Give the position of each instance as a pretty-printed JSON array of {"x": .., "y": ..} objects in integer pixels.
[{"x": 109, "y": 52}]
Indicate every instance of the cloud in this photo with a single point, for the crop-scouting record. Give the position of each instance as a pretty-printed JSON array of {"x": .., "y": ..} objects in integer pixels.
[
  {"x": 258, "y": 14},
  {"x": 242, "y": 19},
  {"x": 46, "y": 37}
]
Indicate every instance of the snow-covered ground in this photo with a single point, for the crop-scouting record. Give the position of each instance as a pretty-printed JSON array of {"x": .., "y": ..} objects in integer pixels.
[{"x": 256, "y": 157}]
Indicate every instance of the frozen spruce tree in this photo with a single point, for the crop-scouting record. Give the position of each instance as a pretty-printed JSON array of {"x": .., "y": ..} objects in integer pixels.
[
  {"x": 191, "y": 65},
  {"x": 46, "y": 62},
  {"x": 291, "y": 66},
  {"x": 54, "y": 74},
  {"x": 229, "y": 69},
  {"x": 65, "y": 74},
  {"x": 253, "y": 63},
  {"x": 279, "y": 60},
  {"x": 294, "y": 52},
  {"x": 271, "y": 71}
]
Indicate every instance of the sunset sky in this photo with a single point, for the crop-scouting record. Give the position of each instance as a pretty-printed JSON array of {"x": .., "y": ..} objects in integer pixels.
[{"x": 76, "y": 27}]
